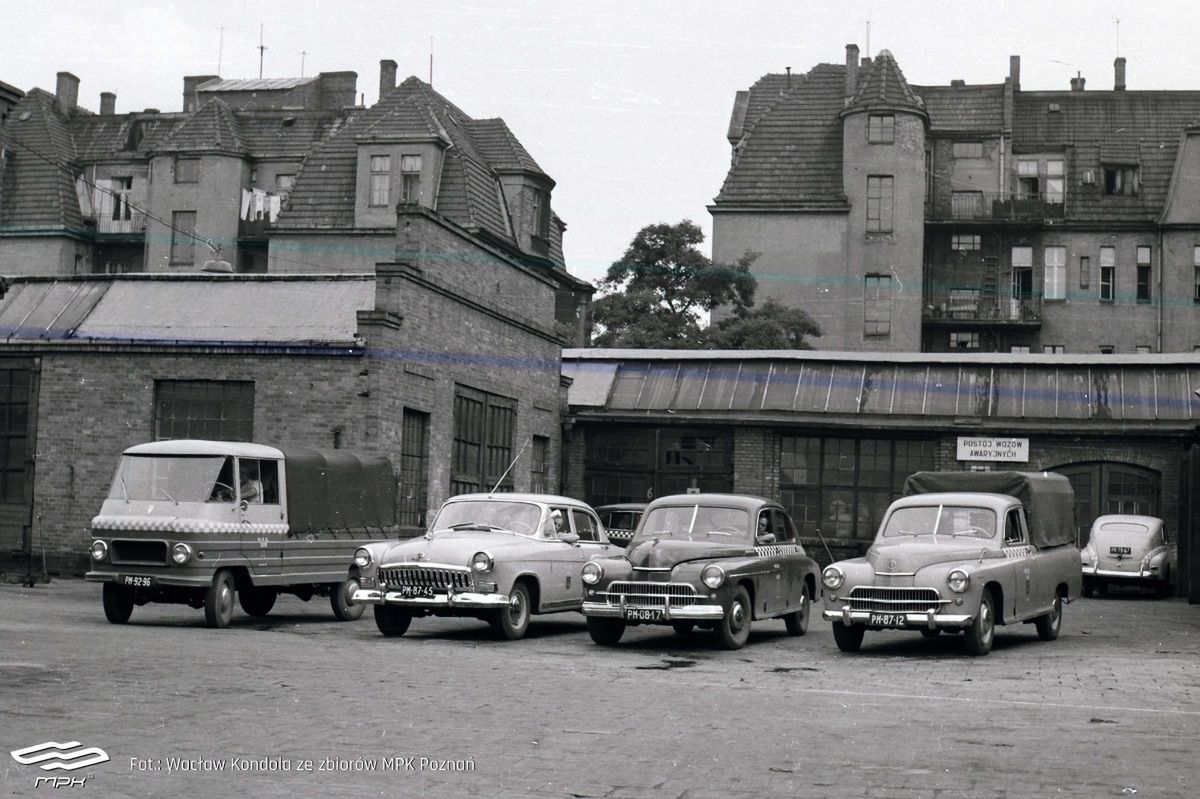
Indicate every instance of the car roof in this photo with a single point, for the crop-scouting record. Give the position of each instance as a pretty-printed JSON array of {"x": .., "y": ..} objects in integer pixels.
[
  {"x": 1128, "y": 518},
  {"x": 541, "y": 499},
  {"x": 196, "y": 446},
  {"x": 621, "y": 506},
  {"x": 722, "y": 500},
  {"x": 955, "y": 498}
]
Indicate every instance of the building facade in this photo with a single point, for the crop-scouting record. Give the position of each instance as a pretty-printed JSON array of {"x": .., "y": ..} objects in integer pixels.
[
  {"x": 968, "y": 217},
  {"x": 833, "y": 435}
]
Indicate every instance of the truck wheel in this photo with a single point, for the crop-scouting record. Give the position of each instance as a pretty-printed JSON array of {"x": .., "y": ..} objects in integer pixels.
[
  {"x": 1049, "y": 625},
  {"x": 797, "y": 623},
  {"x": 513, "y": 621},
  {"x": 257, "y": 601},
  {"x": 848, "y": 639},
  {"x": 982, "y": 632},
  {"x": 339, "y": 600},
  {"x": 734, "y": 630},
  {"x": 118, "y": 603},
  {"x": 606, "y": 632},
  {"x": 392, "y": 621},
  {"x": 218, "y": 601}
]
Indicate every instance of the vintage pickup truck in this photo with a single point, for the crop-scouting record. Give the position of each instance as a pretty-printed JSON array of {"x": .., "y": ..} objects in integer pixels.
[
  {"x": 962, "y": 551},
  {"x": 211, "y": 523}
]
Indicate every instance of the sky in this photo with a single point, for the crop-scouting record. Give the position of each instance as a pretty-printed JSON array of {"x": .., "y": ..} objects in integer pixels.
[{"x": 625, "y": 103}]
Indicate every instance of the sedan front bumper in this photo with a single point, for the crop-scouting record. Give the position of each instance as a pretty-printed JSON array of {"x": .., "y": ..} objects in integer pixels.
[
  {"x": 465, "y": 600},
  {"x": 928, "y": 619},
  {"x": 684, "y": 613}
]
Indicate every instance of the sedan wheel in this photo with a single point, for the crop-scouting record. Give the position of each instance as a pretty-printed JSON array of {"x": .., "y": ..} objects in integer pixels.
[
  {"x": 606, "y": 632},
  {"x": 513, "y": 621},
  {"x": 797, "y": 623},
  {"x": 392, "y": 621},
  {"x": 734, "y": 630},
  {"x": 848, "y": 638},
  {"x": 982, "y": 632}
]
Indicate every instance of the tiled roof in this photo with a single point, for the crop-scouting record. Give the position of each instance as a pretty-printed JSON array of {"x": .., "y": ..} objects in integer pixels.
[
  {"x": 254, "y": 84},
  {"x": 882, "y": 85},
  {"x": 468, "y": 194},
  {"x": 791, "y": 148},
  {"x": 290, "y": 134},
  {"x": 102, "y": 137},
  {"x": 213, "y": 127},
  {"x": 977, "y": 108},
  {"x": 37, "y": 191},
  {"x": 1108, "y": 127}
]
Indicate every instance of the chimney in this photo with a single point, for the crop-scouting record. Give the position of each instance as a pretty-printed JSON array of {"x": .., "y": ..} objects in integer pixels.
[
  {"x": 338, "y": 89},
  {"x": 1119, "y": 78},
  {"x": 1014, "y": 71},
  {"x": 67, "y": 91},
  {"x": 387, "y": 77},
  {"x": 108, "y": 103},
  {"x": 191, "y": 84},
  {"x": 851, "y": 70},
  {"x": 1077, "y": 82}
]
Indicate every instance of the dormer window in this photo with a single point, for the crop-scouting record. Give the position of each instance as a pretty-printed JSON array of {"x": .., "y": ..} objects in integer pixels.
[
  {"x": 541, "y": 213},
  {"x": 187, "y": 170},
  {"x": 881, "y": 129},
  {"x": 410, "y": 178},
  {"x": 1121, "y": 179},
  {"x": 381, "y": 180}
]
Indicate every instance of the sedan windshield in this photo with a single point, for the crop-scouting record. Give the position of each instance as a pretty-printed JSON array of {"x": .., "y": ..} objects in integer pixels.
[
  {"x": 690, "y": 521},
  {"x": 176, "y": 478},
  {"x": 489, "y": 514},
  {"x": 950, "y": 521}
]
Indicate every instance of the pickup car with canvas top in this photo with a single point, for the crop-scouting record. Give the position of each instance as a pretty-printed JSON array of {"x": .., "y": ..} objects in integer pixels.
[{"x": 962, "y": 552}]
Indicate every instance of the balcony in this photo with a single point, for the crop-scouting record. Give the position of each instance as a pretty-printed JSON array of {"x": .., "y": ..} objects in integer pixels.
[
  {"x": 981, "y": 206},
  {"x": 969, "y": 308}
]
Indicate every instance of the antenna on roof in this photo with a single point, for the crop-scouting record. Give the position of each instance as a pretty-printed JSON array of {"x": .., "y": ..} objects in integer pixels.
[
  {"x": 302, "y": 54},
  {"x": 868, "y": 37},
  {"x": 220, "y": 49},
  {"x": 262, "y": 48},
  {"x": 1118, "y": 21},
  {"x": 431, "y": 61}
]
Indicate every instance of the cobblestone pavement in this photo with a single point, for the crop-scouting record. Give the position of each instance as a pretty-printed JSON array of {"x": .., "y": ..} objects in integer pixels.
[{"x": 1110, "y": 709}]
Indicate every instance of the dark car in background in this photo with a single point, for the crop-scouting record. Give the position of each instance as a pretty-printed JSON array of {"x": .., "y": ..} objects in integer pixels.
[{"x": 621, "y": 520}]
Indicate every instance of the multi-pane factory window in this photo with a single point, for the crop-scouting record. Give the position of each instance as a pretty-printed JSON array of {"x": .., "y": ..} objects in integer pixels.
[
  {"x": 414, "y": 468},
  {"x": 222, "y": 410},
  {"x": 483, "y": 441},
  {"x": 879, "y": 204}
]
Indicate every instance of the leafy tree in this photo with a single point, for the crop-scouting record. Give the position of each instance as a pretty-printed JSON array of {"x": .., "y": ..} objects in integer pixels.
[{"x": 660, "y": 290}]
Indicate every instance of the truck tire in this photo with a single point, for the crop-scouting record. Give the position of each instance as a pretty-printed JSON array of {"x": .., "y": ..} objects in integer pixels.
[
  {"x": 118, "y": 603},
  {"x": 982, "y": 632},
  {"x": 339, "y": 600},
  {"x": 219, "y": 600},
  {"x": 257, "y": 602},
  {"x": 1049, "y": 625}
]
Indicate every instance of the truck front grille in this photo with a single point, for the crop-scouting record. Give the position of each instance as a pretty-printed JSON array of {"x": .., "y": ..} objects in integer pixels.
[
  {"x": 439, "y": 578},
  {"x": 127, "y": 551},
  {"x": 894, "y": 600}
]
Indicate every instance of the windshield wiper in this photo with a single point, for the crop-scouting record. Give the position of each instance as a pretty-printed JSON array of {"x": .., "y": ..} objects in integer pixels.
[
  {"x": 124, "y": 489},
  {"x": 474, "y": 526}
]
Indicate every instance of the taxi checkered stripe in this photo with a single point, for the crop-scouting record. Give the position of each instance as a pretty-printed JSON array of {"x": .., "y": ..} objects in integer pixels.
[
  {"x": 1023, "y": 551},
  {"x": 134, "y": 523},
  {"x": 774, "y": 550}
]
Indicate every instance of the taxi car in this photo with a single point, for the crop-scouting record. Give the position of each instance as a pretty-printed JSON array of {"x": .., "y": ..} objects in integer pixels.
[
  {"x": 495, "y": 557},
  {"x": 620, "y": 520},
  {"x": 719, "y": 561},
  {"x": 1124, "y": 549}
]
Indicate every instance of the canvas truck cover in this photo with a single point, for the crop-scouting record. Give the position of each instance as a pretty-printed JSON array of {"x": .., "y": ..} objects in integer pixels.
[
  {"x": 339, "y": 490},
  {"x": 1048, "y": 498}
]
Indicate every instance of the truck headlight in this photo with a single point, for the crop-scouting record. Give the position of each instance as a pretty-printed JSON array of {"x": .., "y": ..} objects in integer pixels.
[
  {"x": 958, "y": 580},
  {"x": 592, "y": 572},
  {"x": 362, "y": 557},
  {"x": 99, "y": 550},
  {"x": 713, "y": 576},
  {"x": 181, "y": 553},
  {"x": 482, "y": 562},
  {"x": 833, "y": 578}
]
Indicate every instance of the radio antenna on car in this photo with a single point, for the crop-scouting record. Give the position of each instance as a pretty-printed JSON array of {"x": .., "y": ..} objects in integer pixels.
[
  {"x": 514, "y": 463},
  {"x": 822, "y": 537}
]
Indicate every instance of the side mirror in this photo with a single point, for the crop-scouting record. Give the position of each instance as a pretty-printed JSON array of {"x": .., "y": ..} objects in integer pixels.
[
  {"x": 766, "y": 538},
  {"x": 569, "y": 538}
]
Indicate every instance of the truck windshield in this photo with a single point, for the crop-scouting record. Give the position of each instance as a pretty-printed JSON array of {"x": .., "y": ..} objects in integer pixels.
[
  {"x": 689, "y": 521},
  {"x": 951, "y": 521},
  {"x": 182, "y": 478},
  {"x": 489, "y": 514}
]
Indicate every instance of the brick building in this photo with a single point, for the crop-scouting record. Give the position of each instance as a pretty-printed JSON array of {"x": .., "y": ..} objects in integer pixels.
[
  {"x": 968, "y": 217},
  {"x": 417, "y": 359}
]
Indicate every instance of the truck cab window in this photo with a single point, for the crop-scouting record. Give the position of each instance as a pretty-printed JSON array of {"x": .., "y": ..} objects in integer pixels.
[
  {"x": 222, "y": 490},
  {"x": 1013, "y": 533}
]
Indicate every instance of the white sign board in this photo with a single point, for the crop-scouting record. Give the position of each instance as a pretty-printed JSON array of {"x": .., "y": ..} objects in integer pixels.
[{"x": 993, "y": 449}]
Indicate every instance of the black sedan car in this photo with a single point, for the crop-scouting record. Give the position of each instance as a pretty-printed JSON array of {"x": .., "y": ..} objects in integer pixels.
[{"x": 717, "y": 561}]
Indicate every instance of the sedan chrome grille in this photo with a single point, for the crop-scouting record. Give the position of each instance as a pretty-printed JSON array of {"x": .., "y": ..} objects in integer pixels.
[
  {"x": 651, "y": 595},
  {"x": 894, "y": 600},
  {"x": 439, "y": 578}
]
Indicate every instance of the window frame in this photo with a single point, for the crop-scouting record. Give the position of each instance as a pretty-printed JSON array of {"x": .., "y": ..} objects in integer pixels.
[
  {"x": 221, "y": 410},
  {"x": 880, "y": 203},
  {"x": 190, "y": 174},
  {"x": 379, "y": 181},
  {"x": 878, "y": 308},
  {"x": 410, "y": 178},
  {"x": 1054, "y": 275},
  {"x": 183, "y": 238},
  {"x": 881, "y": 129}
]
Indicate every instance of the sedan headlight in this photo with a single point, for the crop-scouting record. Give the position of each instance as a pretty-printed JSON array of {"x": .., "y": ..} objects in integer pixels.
[
  {"x": 713, "y": 576},
  {"x": 181, "y": 553},
  {"x": 99, "y": 550},
  {"x": 592, "y": 573},
  {"x": 833, "y": 578},
  {"x": 482, "y": 562},
  {"x": 362, "y": 557},
  {"x": 958, "y": 580}
]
